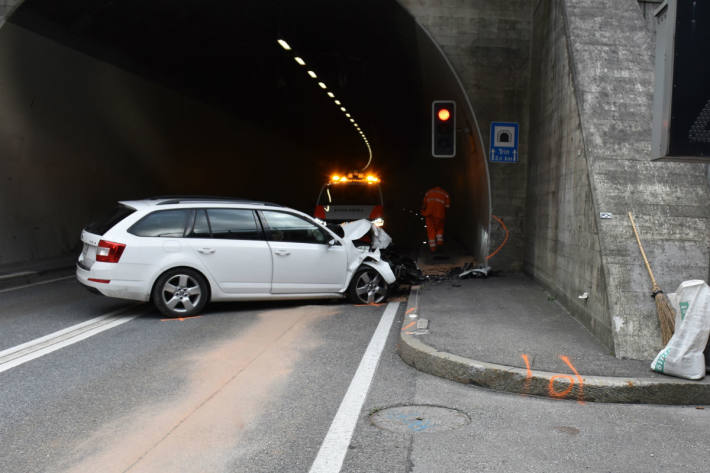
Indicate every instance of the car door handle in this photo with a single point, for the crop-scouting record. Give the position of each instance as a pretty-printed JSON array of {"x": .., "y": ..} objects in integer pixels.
[
  {"x": 206, "y": 251},
  {"x": 282, "y": 252}
]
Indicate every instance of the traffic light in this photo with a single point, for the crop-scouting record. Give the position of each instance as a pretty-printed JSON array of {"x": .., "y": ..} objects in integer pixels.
[{"x": 443, "y": 128}]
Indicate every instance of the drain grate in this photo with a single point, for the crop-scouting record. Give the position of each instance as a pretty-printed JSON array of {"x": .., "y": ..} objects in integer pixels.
[{"x": 419, "y": 419}]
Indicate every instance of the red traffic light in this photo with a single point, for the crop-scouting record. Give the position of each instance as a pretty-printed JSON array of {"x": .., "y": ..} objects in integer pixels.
[{"x": 444, "y": 114}]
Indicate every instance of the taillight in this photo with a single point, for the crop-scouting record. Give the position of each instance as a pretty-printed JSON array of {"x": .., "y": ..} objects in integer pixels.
[
  {"x": 109, "y": 252},
  {"x": 319, "y": 212}
]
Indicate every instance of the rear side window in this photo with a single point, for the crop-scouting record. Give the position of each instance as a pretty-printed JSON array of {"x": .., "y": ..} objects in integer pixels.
[
  {"x": 234, "y": 224},
  {"x": 108, "y": 221},
  {"x": 163, "y": 223}
]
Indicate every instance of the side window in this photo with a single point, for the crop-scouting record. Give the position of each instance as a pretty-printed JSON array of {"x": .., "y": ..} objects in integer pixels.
[
  {"x": 163, "y": 223},
  {"x": 292, "y": 228},
  {"x": 234, "y": 224},
  {"x": 201, "y": 228}
]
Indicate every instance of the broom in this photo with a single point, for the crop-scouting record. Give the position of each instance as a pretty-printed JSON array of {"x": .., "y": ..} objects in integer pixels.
[{"x": 666, "y": 316}]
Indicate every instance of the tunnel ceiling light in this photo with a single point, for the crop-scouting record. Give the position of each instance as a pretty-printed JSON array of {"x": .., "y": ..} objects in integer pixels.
[{"x": 322, "y": 85}]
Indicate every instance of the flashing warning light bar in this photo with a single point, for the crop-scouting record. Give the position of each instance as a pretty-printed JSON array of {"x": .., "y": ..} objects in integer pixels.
[{"x": 357, "y": 177}]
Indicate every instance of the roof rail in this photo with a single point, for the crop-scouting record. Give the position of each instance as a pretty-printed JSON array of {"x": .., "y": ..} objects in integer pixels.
[{"x": 177, "y": 199}]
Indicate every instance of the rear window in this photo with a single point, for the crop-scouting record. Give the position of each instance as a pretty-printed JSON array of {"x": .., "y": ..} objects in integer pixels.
[
  {"x": 163, "y": 223},
  {"x": 351, "y": 194},
  {"x": 108, "y": 221}
]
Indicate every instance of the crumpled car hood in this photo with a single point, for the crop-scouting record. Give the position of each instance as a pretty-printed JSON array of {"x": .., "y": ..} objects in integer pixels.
[
  {"x": 364, "y": 255},
  {"x": 359, "y": 228}
]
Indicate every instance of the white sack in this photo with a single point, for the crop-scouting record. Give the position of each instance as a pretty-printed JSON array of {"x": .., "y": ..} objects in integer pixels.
[{"x": 683, "y": 356}]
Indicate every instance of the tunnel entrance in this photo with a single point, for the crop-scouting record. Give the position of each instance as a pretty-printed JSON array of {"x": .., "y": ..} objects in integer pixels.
[{"x": 106, "y": 101}]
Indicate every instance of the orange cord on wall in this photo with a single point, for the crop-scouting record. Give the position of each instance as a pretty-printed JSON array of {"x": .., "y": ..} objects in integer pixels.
[{"x": 505, "y": 240}]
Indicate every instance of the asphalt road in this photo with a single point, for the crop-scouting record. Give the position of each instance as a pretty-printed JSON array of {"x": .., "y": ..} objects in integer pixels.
[{"x": 256, "y": 387}]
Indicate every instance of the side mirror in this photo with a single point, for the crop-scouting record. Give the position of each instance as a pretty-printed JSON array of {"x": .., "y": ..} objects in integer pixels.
[{"x": 333, "y": 242}]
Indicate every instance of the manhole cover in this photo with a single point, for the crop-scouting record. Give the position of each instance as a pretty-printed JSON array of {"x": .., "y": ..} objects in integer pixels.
[{"x": 419, "y": 419}]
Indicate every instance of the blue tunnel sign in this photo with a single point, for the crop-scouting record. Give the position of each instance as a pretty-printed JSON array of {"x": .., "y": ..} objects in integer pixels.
[{"x": 504, "y": 143}]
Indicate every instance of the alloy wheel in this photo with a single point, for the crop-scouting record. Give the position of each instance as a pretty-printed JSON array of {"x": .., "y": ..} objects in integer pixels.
[
  {"x": 181, "y": 293},
  {"x": 370, "y": 287}
]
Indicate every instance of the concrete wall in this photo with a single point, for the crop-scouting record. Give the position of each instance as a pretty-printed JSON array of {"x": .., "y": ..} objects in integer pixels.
[
  {"x": 6, "y": 6},
  {"x": 77, "y": 134},
  {"x": 488, "y": 44},
  {"x": 610, "y": 83},
  {"x": 562, "y": 243},
  {"x": 585, "y": 149},
  {"x": 648, "y": 7}
]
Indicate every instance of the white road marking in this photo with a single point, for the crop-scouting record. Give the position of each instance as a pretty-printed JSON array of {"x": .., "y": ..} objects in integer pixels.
[
  {"x": 63, "y": 278},
  {"x": 333, "y": 449},
  {"x": 15, "y": 356},
  {"x": 17, "y": 275}
]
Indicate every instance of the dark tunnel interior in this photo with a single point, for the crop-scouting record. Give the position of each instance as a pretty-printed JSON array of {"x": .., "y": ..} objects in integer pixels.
[{"x": 128, "y": 99}]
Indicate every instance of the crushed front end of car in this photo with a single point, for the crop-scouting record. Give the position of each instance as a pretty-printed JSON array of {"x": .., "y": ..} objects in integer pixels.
[{"x": 375, "y": 247}]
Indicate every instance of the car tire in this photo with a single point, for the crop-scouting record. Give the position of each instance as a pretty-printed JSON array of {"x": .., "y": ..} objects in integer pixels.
[
  {"x": 180, "y": 292},
  {"x": 368, "y": 286}
]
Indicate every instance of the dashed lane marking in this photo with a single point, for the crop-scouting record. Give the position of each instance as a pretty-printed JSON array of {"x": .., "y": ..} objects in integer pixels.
[{"x": 20, "y": 354}]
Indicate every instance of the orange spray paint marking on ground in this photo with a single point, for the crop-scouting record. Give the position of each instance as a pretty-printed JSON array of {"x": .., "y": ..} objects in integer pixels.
[
  {"x": 560, "y": 394},
  {"x": 410, "y": 310},
  {"x": 528, "y": 376},
  {"x": 408, "y": 325},
  {"x": 180, "y": 319},
  {"x": 580, "y": 391}
]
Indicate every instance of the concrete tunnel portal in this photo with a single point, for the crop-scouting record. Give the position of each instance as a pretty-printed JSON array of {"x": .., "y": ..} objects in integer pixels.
[{"x": 107, "y": 101}]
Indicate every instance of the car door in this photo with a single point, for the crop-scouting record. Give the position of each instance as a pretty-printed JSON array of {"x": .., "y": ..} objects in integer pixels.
[
  {"x": 230, "y": 243},
  {"x": 303, "y": 259}
]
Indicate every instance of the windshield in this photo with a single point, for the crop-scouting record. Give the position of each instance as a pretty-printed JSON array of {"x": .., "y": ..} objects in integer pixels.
[{"x": 351, "y": 194}]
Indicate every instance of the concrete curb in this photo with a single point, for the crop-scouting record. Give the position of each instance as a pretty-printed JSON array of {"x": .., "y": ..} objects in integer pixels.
[{"x": 542, "y": 383}]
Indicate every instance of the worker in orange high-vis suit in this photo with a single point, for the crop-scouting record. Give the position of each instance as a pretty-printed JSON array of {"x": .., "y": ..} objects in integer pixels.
[{"x": 434, "y": 206}]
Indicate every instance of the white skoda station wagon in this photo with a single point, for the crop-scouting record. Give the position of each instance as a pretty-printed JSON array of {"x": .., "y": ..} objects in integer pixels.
[{"x": 181, "y": 253}]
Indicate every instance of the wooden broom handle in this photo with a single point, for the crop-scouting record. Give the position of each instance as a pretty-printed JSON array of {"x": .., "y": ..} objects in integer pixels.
[{"x": 643, "y": 253}]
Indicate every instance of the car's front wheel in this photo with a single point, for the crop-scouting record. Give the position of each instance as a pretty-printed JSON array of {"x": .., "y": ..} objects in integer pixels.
[
  {"x": 368, "y": 286},
  {"x": 180, "y": 292}
]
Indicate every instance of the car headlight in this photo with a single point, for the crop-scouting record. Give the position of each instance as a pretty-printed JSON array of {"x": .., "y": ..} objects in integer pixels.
[{"x": 379, "y": 221}]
